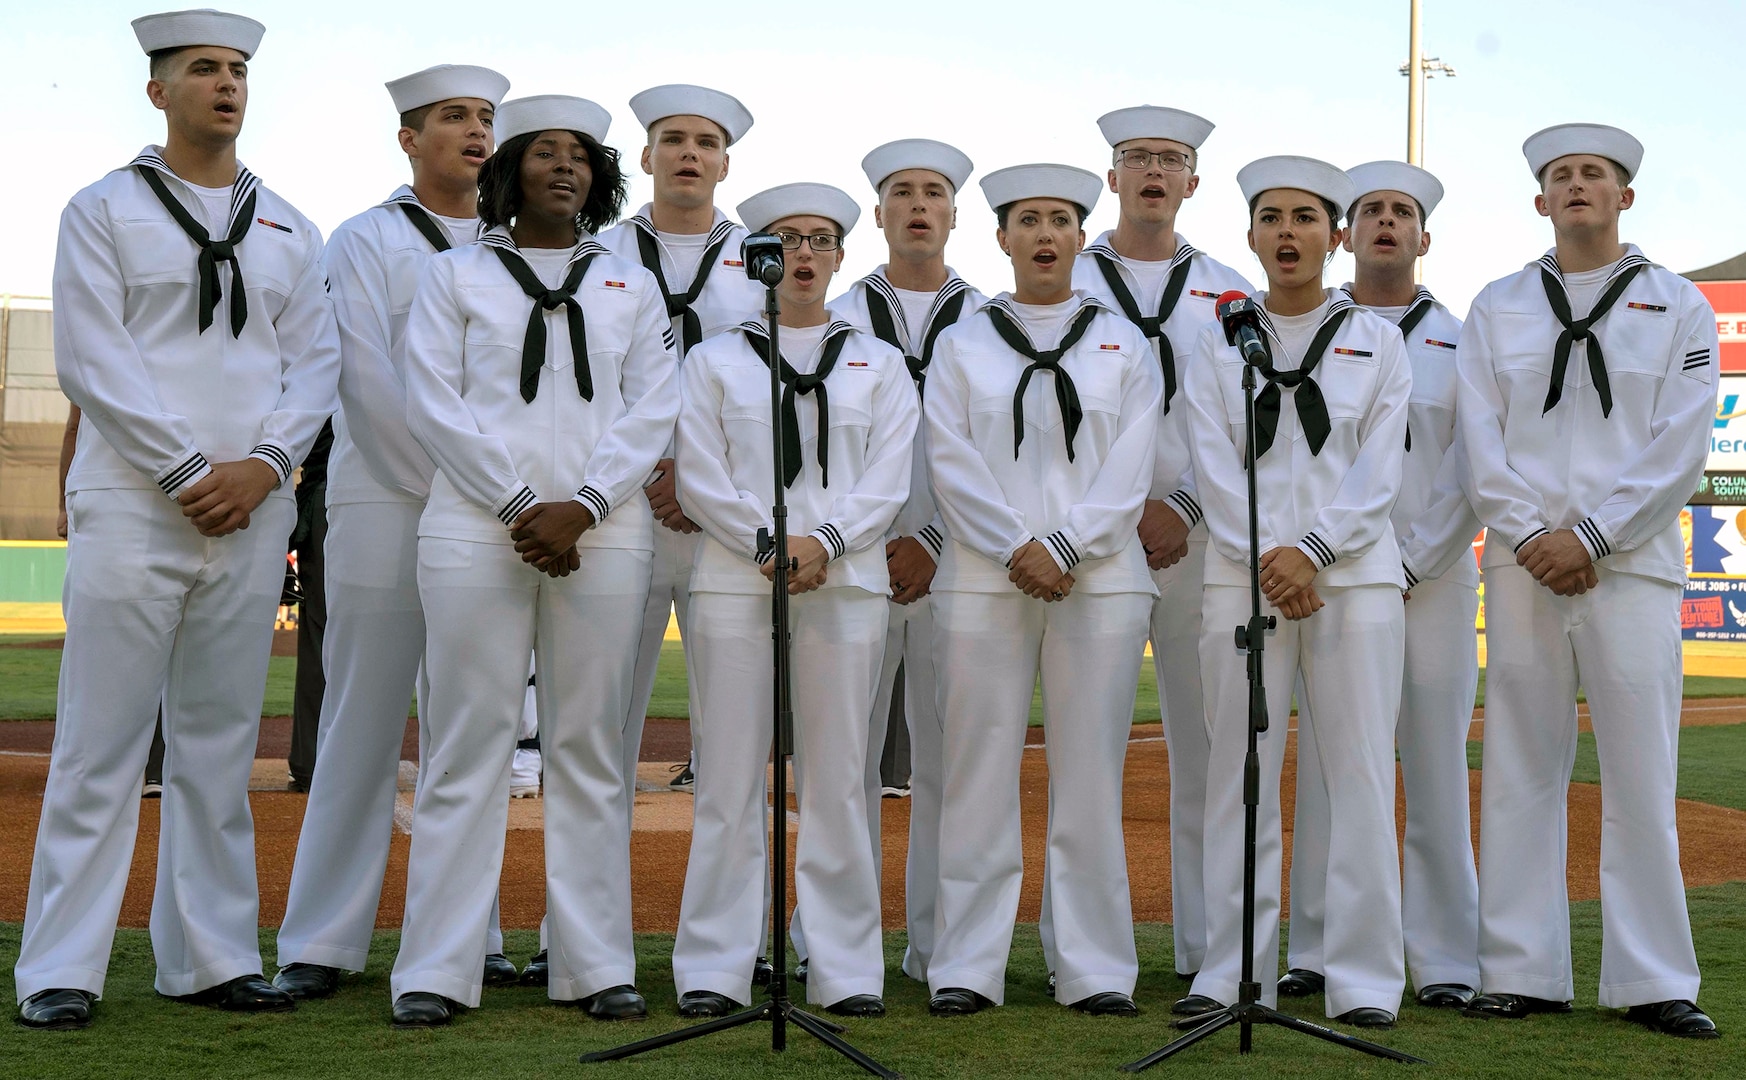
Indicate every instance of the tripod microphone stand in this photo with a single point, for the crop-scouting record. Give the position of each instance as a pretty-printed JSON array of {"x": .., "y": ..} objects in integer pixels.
[
  {"x": 763, "y": 258},
  {"x": 1237, "y": 312}
]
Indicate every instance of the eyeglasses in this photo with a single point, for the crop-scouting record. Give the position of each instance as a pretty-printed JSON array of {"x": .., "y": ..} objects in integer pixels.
[
  {"x": 1168, "y": 160},
  {"x": 816, "y": 241}
]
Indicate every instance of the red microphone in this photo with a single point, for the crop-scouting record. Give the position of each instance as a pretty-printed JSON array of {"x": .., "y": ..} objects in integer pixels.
[{"x": 1241, "y": 318}]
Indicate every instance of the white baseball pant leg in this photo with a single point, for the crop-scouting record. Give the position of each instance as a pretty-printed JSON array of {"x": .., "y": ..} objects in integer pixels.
[{"x": 1621, "y": 643}]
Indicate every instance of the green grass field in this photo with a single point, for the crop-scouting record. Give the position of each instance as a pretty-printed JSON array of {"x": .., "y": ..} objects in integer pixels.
[
  {"x": 1712, "y": 763},
  {"x": 517, "y": 1034},
  {"x": 27, "y": 686}
]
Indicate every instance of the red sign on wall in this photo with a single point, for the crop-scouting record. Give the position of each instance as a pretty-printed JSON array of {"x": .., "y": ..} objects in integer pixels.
[{"x": 1728, "y": 298}]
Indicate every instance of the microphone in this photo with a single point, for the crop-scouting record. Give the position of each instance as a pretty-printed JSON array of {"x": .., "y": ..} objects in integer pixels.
[
  {"x": 762, "y": 253},
  {"x": 1241, "y": 319}
]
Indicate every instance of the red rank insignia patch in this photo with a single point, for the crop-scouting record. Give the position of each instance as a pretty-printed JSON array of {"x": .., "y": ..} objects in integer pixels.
[
  {"x": 1110, "y": 348},
  {"x": 287, "y": 228},
  {"x": 1203, "y": 293},
  {"x": 614, "y": 284},
  {"x": 856, "y": 363},
  {"x": 1633, "y": 305},
  {"x": 733, "y": 262},
  {"x": 1352, "y": 352},
  {"x": 1439, "y": 344}
]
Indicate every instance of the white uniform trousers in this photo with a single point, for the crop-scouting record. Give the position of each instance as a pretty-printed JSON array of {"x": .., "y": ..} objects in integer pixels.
[
  {"x": 909, "y": 642},
  {"x": 1350, "y": 656},
  {"x": 1620, "y": 643},
  {"x": 1439, "y": 886},
  {"x": 669, "y": 591},
  {"x": 837, "y": 636},
  {"x": 486, "y": 611},
  {"x": 375, "y": 638},
  {"x": 989, "y": 649},
  {"x": 155, "y": 611},
  {"x": 1174, "y": 631}
]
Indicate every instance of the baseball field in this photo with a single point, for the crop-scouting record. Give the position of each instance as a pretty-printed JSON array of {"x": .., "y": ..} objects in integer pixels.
[{"x": 517, "y": 1033}]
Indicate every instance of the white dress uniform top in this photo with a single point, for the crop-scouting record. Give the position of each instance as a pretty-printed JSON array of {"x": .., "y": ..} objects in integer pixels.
[
  {"x": 1170, "y": 301},
  {"x": 179, "y": 354},
  {"x": 588, "y": 426},
  {"x": 1331, "y": 501},
  {"x": 1012, "y": 460},
  {"x": 1435, "y": 526},
  {"x": 378, "y": 479},
  {"x": 1609, "y": 444},
  {"x": 704, "y": 284},
  {"x": 911, "y": 322}
]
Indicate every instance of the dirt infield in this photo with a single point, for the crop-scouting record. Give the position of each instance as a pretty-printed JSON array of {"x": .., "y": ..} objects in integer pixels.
[{"x": 1713, "y": 839}]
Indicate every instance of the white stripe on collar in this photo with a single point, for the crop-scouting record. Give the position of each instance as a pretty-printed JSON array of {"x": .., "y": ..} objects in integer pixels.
[
  {"x": 498, "y": 236},
  {"x": 722, "y": 226},
  {"x": 1005, "y": 303},
  {"x": 240, "y": 189},
  {"x": 953, "y": 286},
  {"x": 1342, "y": 301},
  {"x": 1184, "y": 252}
]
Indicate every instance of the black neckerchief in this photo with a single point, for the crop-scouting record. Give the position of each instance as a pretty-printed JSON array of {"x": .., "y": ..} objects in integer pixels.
[
  {"x": 680, "y": 306},
  {"x": 533, "y": 345},
  {"x": 1153, "y": 325},
  {"x": 213, "y": 252},
  {"x": 795, "y": 383},
  {"x": 1409, "y": 321},
  {"x": 947, "y": 309},
  {"x": 1312, "y": 407},
  {"x": 1066, "y": 394},
  {"x": 1552, "y": 280},
  {"x": 426, "y": 225}
]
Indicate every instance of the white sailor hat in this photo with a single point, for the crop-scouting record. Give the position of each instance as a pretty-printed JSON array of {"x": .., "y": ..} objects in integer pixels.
[
  {"x": 1154, "y": 122},
  {"x": 201, "y": 26},
  {"x": 1004, "y": 187},
  {"x": 680, "y": 99},
  {"x": 1301, "y": 173},
  {"x": 766, "y": 208},
  {"x": 444, "y": 83},
  {"x": 1396, "y": 176},
  {"x": 1549, "y": 144},
  {"x": 550, "y": 112},
  {"x": 894, "y": 157}
]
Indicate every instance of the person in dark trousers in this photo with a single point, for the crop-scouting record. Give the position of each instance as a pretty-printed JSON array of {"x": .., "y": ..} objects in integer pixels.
[{"x": 307, "y": 541}]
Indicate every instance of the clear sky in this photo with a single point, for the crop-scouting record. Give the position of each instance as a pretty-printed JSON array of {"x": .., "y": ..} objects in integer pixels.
[{"x": 1008, "y": 83}]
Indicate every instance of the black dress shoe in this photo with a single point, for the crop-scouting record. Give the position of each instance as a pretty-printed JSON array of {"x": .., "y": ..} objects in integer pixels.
[
  {"x": 1196, "y": 1009},
  {"x": 421, "y": 1010},
  {"x": 1445, "y": 995},
  {"x": 1378, "y": 1019},
  {"x": 1108, "y": 1003},
  {"x": 1051, "y": 984},
  {"x": 499, "y": 970},
  {"x": 1512, "y": 1006},
  {"x": 857, "y": 1005},
  {"x": 1301, "y": 982},
  {"x": 762, "y": 972},
  {"x": 536, "y": 972},
  {"x": 957, "y": 1001},
  {"x": 56, "y": 1010},
  {"x": 1681, "y": 1018},
  {"x": 702, "y": 1004},
  {"x": 800, "y": 973},
  {"x": 245, "y": 993},
  {"x": 616, "y": 1003},
  {"x": 305, "y": 982}
]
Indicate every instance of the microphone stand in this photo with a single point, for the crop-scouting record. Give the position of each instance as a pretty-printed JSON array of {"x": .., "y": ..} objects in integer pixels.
[
  {"x": 777, "y": 1008},
  {"x": 1251, "y": 637}
]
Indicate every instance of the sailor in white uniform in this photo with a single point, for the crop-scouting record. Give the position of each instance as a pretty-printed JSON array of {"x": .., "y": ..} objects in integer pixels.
[
  {"x": 908, "y": 302},
  {"x": 694, "y": 252},
  {"x": 848, "y": 423},
  {"x": 194, "y": 331},
  {"x": 1149, "y": 272},
  {"x": 1585, "y": 435},
  {"x": 378, "y": 480},
  {"x": 1042, "y": 410},
  {"x": 1331, "y": 424},
  {"x": 541, "y": 380},
  {"x": 1435, "y": 525}
]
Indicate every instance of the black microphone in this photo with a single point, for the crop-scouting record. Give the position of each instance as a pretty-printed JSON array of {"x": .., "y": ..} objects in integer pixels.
[
  {"x": 1241, "y": 318},
  {"x": 762, "y": 254}
]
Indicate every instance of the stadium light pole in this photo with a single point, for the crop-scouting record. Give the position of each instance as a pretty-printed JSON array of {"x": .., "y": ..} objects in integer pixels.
[{"x": 1417, "y": 69}]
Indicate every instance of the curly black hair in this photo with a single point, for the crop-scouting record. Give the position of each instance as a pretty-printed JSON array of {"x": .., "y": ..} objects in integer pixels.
[{"x": 500, "y": 184}]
